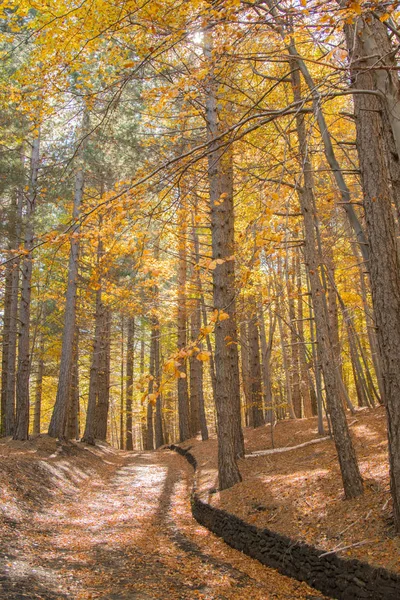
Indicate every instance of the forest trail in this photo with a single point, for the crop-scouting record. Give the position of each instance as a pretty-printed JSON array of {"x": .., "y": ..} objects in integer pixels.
[{"x": 130, "y": 535}]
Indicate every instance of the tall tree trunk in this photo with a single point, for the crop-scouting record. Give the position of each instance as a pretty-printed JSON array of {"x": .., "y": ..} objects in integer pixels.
[
  {"x": 5, "y": 368},
  {"x": 352, "y": 481},
  {"x": 122, "y": 384},
  {"x": 10, "y": 318},
  {"x": 307, "y": 386},
  {"x": 89, "y": 435},
  {"x": 384, "y": 251},
  {"x": 245, "y": 365},
  {"x": 266, "y": 350},
  {"x": 24, "y": 359},
  {"x": 142, "y": 352},
  {"x": 149, "y": 414},
  {"x": 196, "y": 374},
  {"x": 129, "y": 382},
  {"x": 255, "y": 365},
  {"x": 60, "y": 411},
  {"x": 372, "y": 338},
  {"x": 39, "y": 383},
  {"x": 73, "y": 425},
  {"x": 183, "y": 393},
  {"x": 158, "y": 422},
  {"x": 103, "y": 378},
  {"x": 220, "y": 176},
  {"x": 294, "y": 343}
]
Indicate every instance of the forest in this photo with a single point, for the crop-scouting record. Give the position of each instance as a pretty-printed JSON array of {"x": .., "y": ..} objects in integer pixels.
[{"x": 200, "y": 224}]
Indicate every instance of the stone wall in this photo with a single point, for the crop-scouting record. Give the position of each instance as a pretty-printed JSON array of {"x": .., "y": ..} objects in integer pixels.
[{"x": 337, "y": 577}]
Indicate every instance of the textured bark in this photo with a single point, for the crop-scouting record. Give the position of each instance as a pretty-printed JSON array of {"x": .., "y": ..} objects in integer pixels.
[
  {"x": 72, "y": 430},
  {"x": 266, "y": 349},
  {"x": 59, "y": 417},
  {"x": 103, "y": 378},
  {"x": 24, "y": 359},
  {"x": 384, "y": 260},
  {"x": 196, "y": 248},
  {"x": 286, "y": 369},
  {"x": 245, "y": 366},
  {"x": 306, "y": 385},
  {"x": 5, "y": 369},
  {"x": 149, "y": 410},
  {"x": 10, "y": 318},
  {"x": 158, "y": 422},
  {"x": 255, "y": 369},
  {"x": 197, "y": 414},
  {"x": 196, "y": 366},
  {"x": 129, "y": 381},
  {"x": 294, "y": 344},
  {"x": 89, "y": 435},
  {"x": 122, "y": 384},
  {"x": 39, "y": 385},
  {"x": 352, "y": 481},
  {"x": 183, "y": 393},
  {"x": 141, "y": 366},
  {"x": 373, "y": 342},
  {"x": 227, "y": 399}
]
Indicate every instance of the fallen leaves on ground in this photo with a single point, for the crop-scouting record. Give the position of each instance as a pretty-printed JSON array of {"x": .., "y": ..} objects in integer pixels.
[
  {"x": 96, "y": 523},
  {"x": 299, "y": 493}
]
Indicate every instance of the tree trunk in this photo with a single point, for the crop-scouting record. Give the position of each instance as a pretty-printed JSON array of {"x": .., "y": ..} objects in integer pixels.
[
  {"x": 129, "y": 382},
  {"x": 307, "y": 386},
  {"x": 220, "y": 176},
  {"x": 24, "y": 359},
  {"x": 294, "y": 343},
  {"x": 89, "y": 435},
  {"x": 60, "y": 411},
  {"x": 384, "y": 252},
  {"x": 122, "y": 386},
  {"x": 196, "y": 376},
  {"x": 255, "y": 365},
  {"x": 245, "y": 364},
  {"x": 73, "y": 426},
  {"x": 266, "y": 349},
  {"x": 159, "y": 432},
  {"x": 149, "y": 413},
  {"x": 183, "y": 394},
  {"x": 103, "y": 378},
  {"x": 39, "y": 384},
  {"x": 352, "y": 481}
]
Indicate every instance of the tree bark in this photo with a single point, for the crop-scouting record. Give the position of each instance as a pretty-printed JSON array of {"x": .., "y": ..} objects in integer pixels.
[
  {"x": 158, "y": 421},
  {"x": 183, "y": 393},
  {"x": 129, "y": 382},
  {"x": 384, "y": 251},
  {"x": 352, "y": 481},
  {"x": 220, "y": 176},
  {"x": 59, "y": 417},
  {"x": 89, "y": 435},
  {"x": 24, "y": 359},
  {"x": 255, "y": 365},
  {"x": 103, "y": 378},
  {"x": 72, "y": 431},
  {"x": 39, "y": 384}
]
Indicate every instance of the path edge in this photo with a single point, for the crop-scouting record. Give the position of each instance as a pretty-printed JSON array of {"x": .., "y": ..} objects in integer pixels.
[{"x": 340, "y": 578}]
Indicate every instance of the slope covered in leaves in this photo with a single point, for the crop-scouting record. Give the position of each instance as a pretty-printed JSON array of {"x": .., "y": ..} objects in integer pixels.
[
  {"x": 98, "y": 523},
  {"x": 298, "y": 492}
]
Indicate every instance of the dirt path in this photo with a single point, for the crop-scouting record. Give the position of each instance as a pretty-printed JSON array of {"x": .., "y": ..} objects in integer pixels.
[{"x": 131, "y": 536}]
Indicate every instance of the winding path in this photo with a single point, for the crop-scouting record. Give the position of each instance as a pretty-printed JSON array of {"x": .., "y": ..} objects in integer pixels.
[{"x": 131, "y": 536}]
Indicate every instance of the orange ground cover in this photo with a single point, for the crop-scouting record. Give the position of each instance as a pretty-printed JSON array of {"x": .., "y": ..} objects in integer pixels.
[{"x": 299, "y": 493}]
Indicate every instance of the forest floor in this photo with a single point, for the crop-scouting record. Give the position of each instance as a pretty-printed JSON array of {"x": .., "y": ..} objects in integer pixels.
[
  {"x": 299, "y": 492},
  {"x": 80, "y": 522}
]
